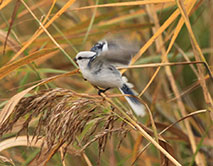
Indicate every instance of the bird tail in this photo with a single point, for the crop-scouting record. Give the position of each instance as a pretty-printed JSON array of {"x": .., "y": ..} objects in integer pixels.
[{"x": 135, "y": 104}]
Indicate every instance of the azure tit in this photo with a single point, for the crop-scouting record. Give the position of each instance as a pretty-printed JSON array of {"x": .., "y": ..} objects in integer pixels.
[{"x": 98, "y": 66}]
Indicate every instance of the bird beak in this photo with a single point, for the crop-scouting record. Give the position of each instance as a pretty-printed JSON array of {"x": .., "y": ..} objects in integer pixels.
[{"x": 75, "y": 59}]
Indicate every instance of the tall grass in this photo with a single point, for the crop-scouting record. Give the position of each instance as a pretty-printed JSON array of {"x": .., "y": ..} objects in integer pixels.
[{"x": 46, "y": 104}]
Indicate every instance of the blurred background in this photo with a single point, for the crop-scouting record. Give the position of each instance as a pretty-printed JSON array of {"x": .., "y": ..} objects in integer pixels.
[{"x": 174, "y": 92}]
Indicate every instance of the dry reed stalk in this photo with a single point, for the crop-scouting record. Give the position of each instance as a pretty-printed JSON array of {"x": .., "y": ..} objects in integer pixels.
[{"x": 63, "y": 115}]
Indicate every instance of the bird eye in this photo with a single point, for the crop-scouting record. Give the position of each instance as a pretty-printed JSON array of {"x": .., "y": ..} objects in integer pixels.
[{"x": 79, "y": 58}]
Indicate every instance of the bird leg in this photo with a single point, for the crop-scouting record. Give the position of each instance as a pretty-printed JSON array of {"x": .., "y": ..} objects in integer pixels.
[{"x": 101, "y": 90}]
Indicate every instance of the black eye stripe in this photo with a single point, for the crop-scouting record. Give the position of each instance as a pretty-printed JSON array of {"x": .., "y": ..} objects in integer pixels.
[{"x": 80, "y": 57}]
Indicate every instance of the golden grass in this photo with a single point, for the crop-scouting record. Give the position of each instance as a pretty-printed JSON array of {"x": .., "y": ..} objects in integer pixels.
[{"x": 62, "y": 115}]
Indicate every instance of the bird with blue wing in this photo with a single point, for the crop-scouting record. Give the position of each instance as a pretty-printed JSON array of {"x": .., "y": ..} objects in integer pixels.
[{"x": 98, "y": 66}]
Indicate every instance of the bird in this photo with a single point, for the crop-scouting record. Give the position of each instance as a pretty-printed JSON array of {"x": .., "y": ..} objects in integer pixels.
[{"x": 98, "y": 66}]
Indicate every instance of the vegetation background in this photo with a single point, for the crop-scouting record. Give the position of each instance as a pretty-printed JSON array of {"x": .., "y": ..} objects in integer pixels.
[{"x": 51, "y": 116}]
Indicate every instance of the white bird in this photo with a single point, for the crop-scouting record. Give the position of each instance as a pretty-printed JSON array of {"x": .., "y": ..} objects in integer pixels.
[{"x": 98, "y": 66}]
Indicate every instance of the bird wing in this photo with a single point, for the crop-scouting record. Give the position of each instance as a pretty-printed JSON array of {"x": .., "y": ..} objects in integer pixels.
[
  {"x": 116, "y": 57},
  {"x": 119, "y": 52}
]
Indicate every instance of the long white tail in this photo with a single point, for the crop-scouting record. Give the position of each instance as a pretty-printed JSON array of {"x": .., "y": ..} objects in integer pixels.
[{"x": 135, "y": 104}]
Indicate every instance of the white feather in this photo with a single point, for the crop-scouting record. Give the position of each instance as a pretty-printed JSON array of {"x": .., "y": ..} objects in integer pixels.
[
  {"x": 130, "y": 85},
  {"x": 139, "y": 109}
]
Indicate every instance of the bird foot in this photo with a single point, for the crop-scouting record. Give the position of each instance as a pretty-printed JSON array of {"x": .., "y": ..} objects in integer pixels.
[{"x": 102, "y": 91}]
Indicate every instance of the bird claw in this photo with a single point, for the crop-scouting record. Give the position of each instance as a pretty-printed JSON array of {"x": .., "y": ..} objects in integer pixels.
[{"x": 102, "y": 91}]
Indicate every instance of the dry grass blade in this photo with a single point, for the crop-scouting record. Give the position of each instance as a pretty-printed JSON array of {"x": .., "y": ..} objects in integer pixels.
[
  {"x": 145, "y": 134},
  {"x": 186, "y": 58},
  {"x": 48, "y": 14},
  {"x": 40, "y": 31},
  {"x": 4, "y": 160},
  {"x": 169, "y": 127},
  {"x": 5, "y": 70},
  {"x": 11, "y": 23},
  {"x": 153, "y": 124},
  {"x": 62, "y": 156},
  {"x": 4, "y": 4},
  {"x": 158, "y": 33},
  {"x": 187, "y": 22},
  {"x": 49, "y": 35},
  {"x": 20, "y": 141},
  {"x": 100, "y": 136},
  {"x": 9, "y": 107},
  {"x": 197, "y": 51},
  {"x": 23, "y": 13},
  {"x": 40, "y": 99},
  {"x": 45, "y": 155},
  {"x": 181, "y": 105},
  {"x": 149, "y": 43},
  {"x": 171, "y": 78},
  {"x": 155, "y": 36},
  {"x": 126, "y": 4},
  {"x": 183, "y": 118},
  {"x": 188, "y": 90},
  {"x": 10, "y": 42},
  {"x": 159, "y": 65}
]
